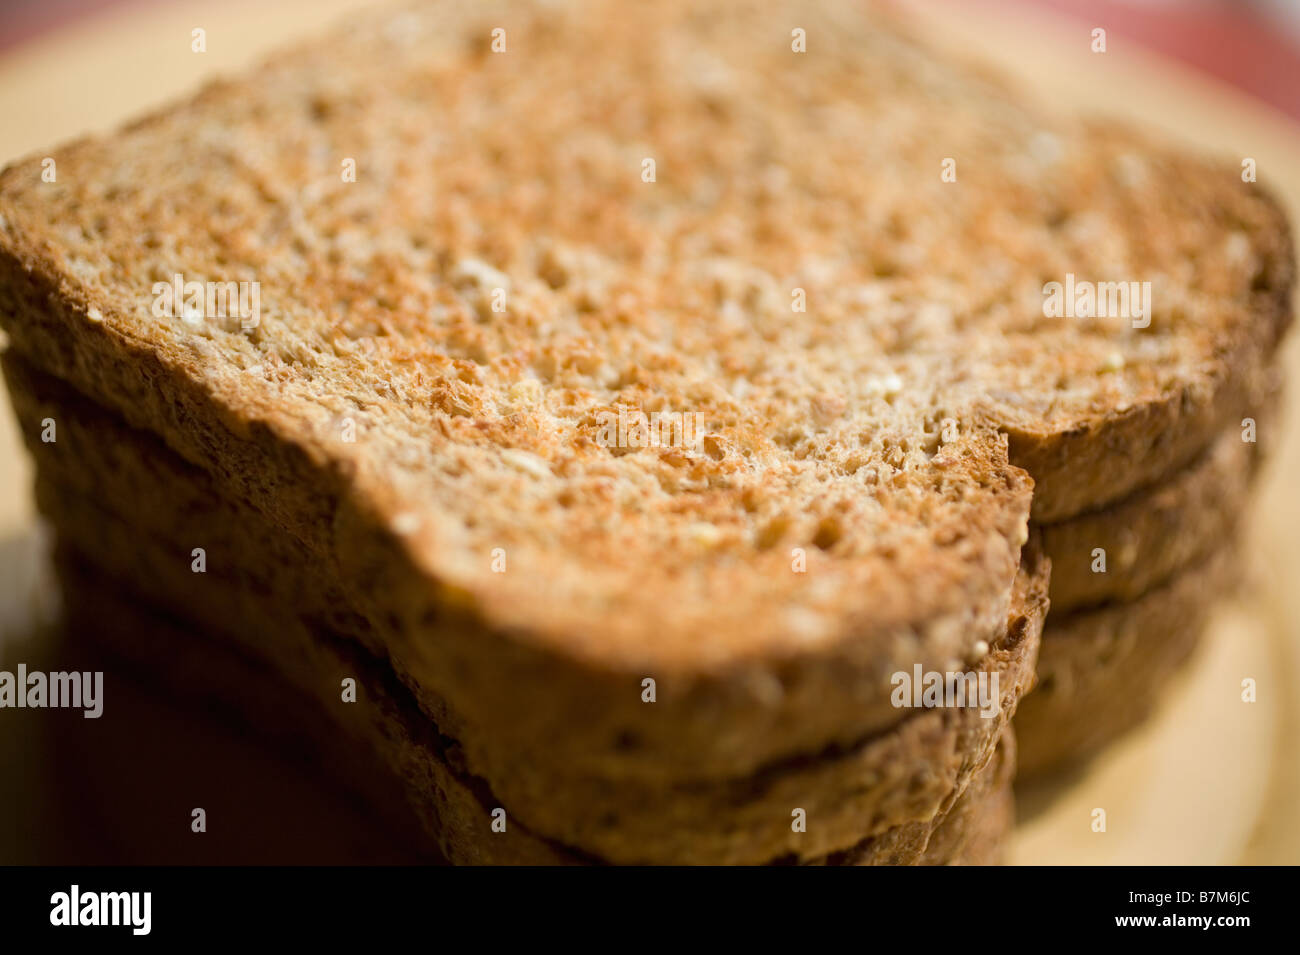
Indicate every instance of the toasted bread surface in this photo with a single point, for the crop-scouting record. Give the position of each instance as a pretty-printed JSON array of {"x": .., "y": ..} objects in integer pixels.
[{"x": 153, "y": 509}]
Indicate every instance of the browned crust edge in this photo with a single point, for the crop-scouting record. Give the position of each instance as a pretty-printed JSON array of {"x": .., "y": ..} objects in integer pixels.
[{"x": 1101, "y": 672}]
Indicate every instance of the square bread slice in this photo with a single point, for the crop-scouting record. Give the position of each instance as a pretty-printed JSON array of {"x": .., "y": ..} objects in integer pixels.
[
  {"x": 124, "y": 502},
  {"x": 460, "y": 265}
]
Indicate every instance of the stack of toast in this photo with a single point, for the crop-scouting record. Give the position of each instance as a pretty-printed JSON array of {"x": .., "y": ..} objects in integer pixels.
[
  {"x": 1132, "y": 586},
  {"x": 352, "y": 372}
]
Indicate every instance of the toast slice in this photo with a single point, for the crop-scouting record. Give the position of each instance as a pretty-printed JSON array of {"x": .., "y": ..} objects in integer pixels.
[
  {"x": 507, "y": 271},
  {"x": 119, "y": 498}
]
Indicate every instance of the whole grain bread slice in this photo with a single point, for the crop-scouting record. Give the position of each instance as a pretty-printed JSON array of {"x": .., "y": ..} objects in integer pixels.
[
  {"x": 120, "y": 496},
  {"x": 857, "y": 440}
]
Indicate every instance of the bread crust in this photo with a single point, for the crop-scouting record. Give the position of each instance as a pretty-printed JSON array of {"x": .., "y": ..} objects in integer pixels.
[
  {"x": 892, "y": 787},
  {"x": 105, "y": 611},
  {"x": 972, "y": 831},
  {"x": 200, "y": 666},
  {"x": 1101, "y": 672},
  {"x": 1104, "y": 460},
  {"x": 1152, "y": 535},
  {"x": 976, "y": 830}
]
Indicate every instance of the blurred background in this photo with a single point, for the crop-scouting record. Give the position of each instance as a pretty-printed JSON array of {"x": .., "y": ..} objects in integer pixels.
[
  {"x": 1252, "y": 44},
  {"x": 1208, "y": 781}
]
